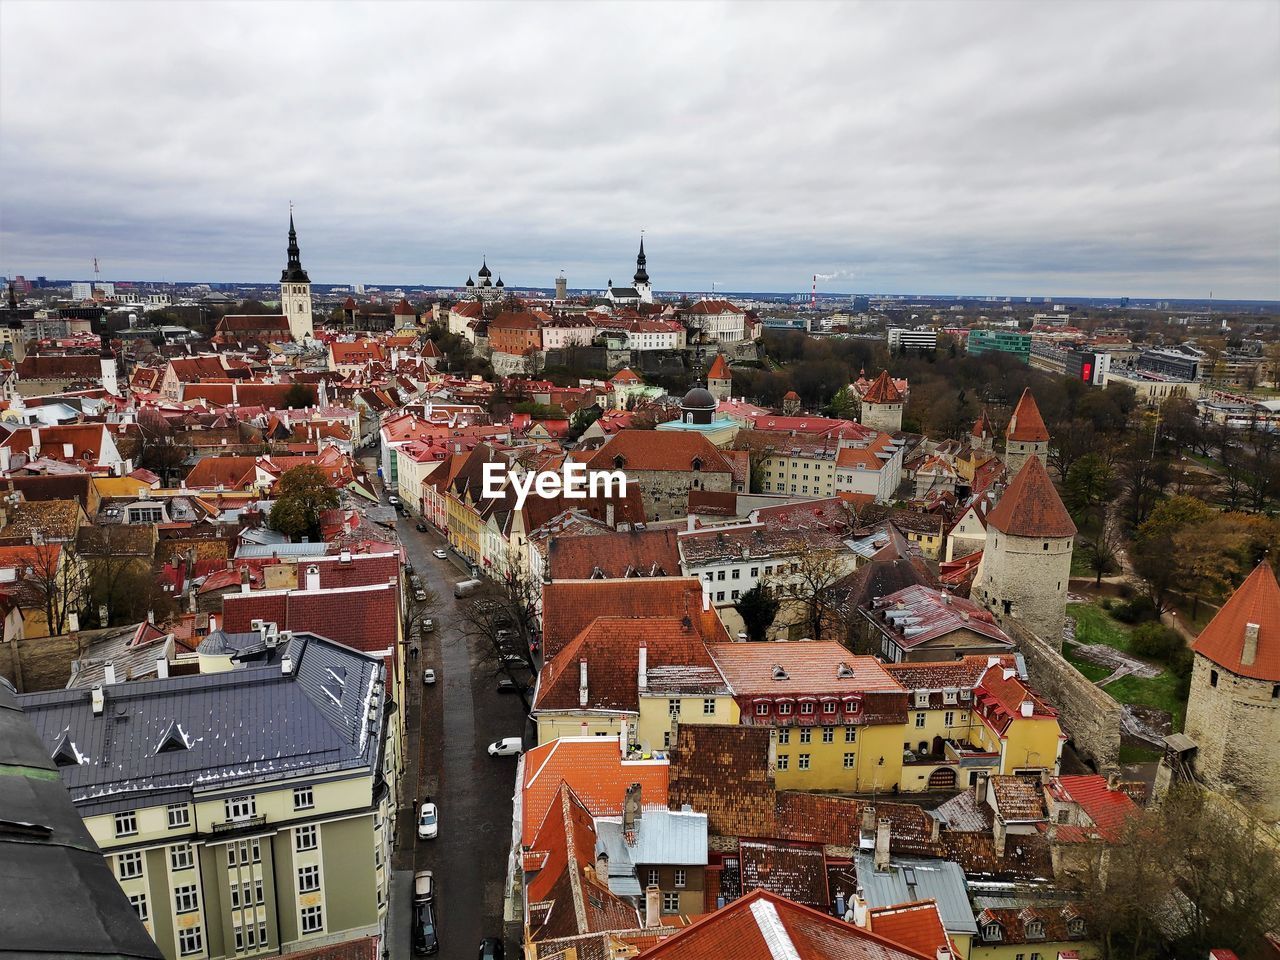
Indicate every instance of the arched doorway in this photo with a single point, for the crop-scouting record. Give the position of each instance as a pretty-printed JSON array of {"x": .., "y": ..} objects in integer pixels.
[{"x": 944, "y": 778}]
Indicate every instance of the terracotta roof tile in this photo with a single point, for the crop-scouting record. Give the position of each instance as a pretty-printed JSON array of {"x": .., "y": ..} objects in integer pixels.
[
  {"x": 629, "y": 553},
  {"x": 883, "y": 390},
  {"x": 571, "y": 605},
  {"x": 917, "y": 926},
  {"x": 1256, "y": 602},
  {"x": 659, "y": 450},
  {"x": 1026, "y": 425},
  {"x": 1031, "y": 506}
]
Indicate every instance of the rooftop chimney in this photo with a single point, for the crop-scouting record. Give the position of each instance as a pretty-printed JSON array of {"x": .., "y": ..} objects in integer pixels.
[
  {"x": 162, "y": 667},
  {"x": 1027, "y": 708},
  {"x": 244, "y": 579},
  {"x": 109, "y": 673},
  {"x": 313, "y": 577},
  {"x": 652, "y": 906},
  {"x": 602, "y": 866},
  {"x": 582, "y": 683},
  {"x": 642, "y": 679},
  {"x": 883, "y": 830},
  {"x": 98, "y": 699},
  {"x": 1250, "y": 651}
]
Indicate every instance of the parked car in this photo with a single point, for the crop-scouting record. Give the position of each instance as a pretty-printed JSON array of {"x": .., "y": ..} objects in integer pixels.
[
  {"x": 408, "y": 567},
  {"x": 428, "y": 676},
  {"x": 424, "y": 886},
  {"x": 507, "y": 685},
  {"x": 419, "y": 594},
  {"x": 491, "y": 949},
  {"x": 428, "y": 625},
  {"x": 464, "y": 588},
  {"x": 439, "y": 554},
  {"x": 428, "y": 822},
  {"x": 506, "y": 747},
  {"x": 425, "y": 939},
  {"x": 393, "y": 500},
  {"x": 514, "y": 660},
  {"x": 420, "y": 526}
]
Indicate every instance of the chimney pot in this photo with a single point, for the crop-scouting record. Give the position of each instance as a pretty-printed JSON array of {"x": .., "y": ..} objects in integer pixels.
[
  {"x": 883, "y": 832},
  {"x": 162, "y": 667},
  {"x": 1249, "y": 653},
  {"x": 582, "y": 683},
  {"x": 109, "y": 673},
  {"x": 652, "y": 906}
]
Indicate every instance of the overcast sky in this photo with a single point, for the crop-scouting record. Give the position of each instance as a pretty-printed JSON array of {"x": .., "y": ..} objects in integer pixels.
[{"x": 1013, "y": 148}]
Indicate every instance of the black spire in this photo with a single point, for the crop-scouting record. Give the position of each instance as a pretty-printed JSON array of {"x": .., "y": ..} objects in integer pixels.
[
  {"x": 642, "y": 275},
  {"x": 293, "y": 272},
  {"x": 484, "y": 269},
  {"x": 13, "y": 297}
]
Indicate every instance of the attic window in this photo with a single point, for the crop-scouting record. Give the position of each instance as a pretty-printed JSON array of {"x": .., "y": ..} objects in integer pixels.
[
  {"x": 992, "y": 932},
  {"x": 619, "y": 460},
  {"x": 779, "y": 673},
  {"x": 844, "y": 671},
  {"x": 65, "y": 753},
  {"x": 1075, "y": 926},
  {"x": 173, "y": 739},
  {"x": 1035, "y": 930}
]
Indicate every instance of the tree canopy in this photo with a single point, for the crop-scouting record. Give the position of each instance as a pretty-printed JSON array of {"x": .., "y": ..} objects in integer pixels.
[{"x": 303, "y": 494}]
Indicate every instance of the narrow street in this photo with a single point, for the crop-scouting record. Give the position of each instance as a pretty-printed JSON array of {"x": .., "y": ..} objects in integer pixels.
[{"x": 450, "y": 725}]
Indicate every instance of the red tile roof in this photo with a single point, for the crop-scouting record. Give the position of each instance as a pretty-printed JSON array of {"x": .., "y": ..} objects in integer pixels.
[
  {"x": 365, "y": 618},
  {"x": 1108, "y": 809},
  {"x": 1257, "y": 602},
  {"x": 1031, "y": 506},
  {"x": 571, "y": 605},
  {"x": 659, "y": 450},
  {"x": 917, "y": 926},
  {"x": 595, "y": 769},
  {"x": 812, "y": 667},
  {"x": 1026, "y": 425},
  {"x": 763, "y": 926},
  {"x": 719, "y": 369},
  {"x": 884, "y": 390},
  {"x": 633, "y": 553}
]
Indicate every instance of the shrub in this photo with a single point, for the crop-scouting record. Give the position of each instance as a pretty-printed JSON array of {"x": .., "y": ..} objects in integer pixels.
[
  {"x": 1157, "y": 642},
  {"x": 1106, "y": 603},
  {"x": 1138, "y": 610}
]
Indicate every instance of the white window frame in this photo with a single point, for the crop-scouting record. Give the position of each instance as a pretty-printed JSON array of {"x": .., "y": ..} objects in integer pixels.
[
  {"x": 311, "y": 831},
  {"x": 186, "y": 898},
  {"x": 670, "y": 902},
  {"x": 126, "y": 823},
  {"x": 850, "y": 761},
  {"x": 181, "y": 857},
  {"x": 241, "y": 808},
  {"x": 708, "y": 706},
  {"x": 802, "y": 762},
  {"x": 126, "y": 864},
  {"x": 140, "y": 906},
  {"x": 681, "y": 877},
  {"x": 307, "y": 915},
  {"x": 304, "y": 798},
  {"x": 179, "y": 815},
  {"x": 190, "y": 941},
  {"x": 309, "y": 878}
]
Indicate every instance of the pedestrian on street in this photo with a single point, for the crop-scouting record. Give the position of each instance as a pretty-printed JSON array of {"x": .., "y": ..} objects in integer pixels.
[{"x": 413, "y": 652}]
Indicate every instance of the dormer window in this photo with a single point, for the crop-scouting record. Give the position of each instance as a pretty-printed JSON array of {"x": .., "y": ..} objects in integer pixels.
[
  {"x": 779, "y": 673},
  {"x": 1075, "y": 927},
  {"x": 784, "y": 709},
  {"x": 1035, "y": 930},
  {"x": 619, "y": 460},
  {"x": 992, "y": 933},
  {"x": 697, "y": 463}
]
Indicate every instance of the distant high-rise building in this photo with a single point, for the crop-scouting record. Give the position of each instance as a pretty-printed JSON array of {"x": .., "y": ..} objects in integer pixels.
[
  {"x": 562, "y": 287},
  {"x": 295, "y": 290},
  {"x": 81, "y": 291}
]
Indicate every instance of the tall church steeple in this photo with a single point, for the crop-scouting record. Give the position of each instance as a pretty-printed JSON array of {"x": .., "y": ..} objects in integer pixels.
[
  {"x": 641, "y": 279},
  {"x": 295, "y": 289}
]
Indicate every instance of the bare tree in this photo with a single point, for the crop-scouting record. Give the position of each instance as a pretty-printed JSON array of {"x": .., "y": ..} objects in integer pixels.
[
  {"x": 809, "y": 580},
  {"x": 503, "y": 623},
  {"x": 55, "y": 580}
]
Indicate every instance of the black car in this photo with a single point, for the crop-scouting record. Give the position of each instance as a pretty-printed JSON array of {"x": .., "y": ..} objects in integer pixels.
[
  {"x": 491, "y": 949},
  {"x": 420, "y": 527},
  {"x": 507, "y": 685},
  {"x": 426, "y": 941}
]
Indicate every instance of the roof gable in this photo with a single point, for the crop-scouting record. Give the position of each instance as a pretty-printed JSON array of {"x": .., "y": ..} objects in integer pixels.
[{"x": 1244, "y": 636}]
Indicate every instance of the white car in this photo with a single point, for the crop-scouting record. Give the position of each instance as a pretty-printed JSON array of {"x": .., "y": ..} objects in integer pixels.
[
  {"x": 439, "y": 554},
  {"x": 507, "y": 747},
  {"x": 428, "y": 676},
  {"x": 428, "y": 625},
  {"x": 428, "y": 822}
]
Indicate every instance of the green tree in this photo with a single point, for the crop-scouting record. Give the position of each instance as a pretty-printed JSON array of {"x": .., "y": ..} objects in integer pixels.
[
  {"x": 1155, "y": 547},
  {"x": 842, "y": 404},
  {"x": 302, "y": 496},
  {"x": 299, "y": 396},
  {"x": 757, "y": 608},
  {"x": 582, "y": 419}
]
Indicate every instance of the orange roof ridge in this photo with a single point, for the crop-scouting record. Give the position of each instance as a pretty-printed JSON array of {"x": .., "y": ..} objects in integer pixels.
[
  {"x": 1026, "y": 425},
  {"x": 884, "y": 390},
  {"x": 1031, "y": 506},
  {"x": 719, "y": 369},
  {"x": 1255, "y": 603}
]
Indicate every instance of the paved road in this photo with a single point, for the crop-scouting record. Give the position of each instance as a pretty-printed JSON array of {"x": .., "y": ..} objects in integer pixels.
[{"x": 450, "y": 725}]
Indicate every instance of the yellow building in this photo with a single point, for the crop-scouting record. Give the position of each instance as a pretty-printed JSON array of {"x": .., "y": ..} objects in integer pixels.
[
  {"x": 836, "y": 718},
  {"x": 1045, "y": 931}
]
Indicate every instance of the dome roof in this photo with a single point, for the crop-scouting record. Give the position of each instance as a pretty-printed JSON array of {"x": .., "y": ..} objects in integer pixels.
[
  {"x": 699, "y": 398},
  {"x": 470, "y": 282},
  {"x": 484, "y": 270}
]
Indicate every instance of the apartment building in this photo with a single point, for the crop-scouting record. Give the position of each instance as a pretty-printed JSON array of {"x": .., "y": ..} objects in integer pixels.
[{"x": 245, "y": 810}]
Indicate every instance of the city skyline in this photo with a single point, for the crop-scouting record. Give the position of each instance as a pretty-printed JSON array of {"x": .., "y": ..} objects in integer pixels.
[{"x": 1066, "y": 151}]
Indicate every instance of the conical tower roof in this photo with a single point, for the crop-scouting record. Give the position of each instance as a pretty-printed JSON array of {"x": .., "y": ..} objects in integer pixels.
[
  {"x": 1031, "y": 507},
  {"x": 293, "y": 272},
  {"x": 1227, "y": 641},
  {"x": 884, "y": 390},
  {"x": 1026, "y": 425},
  {"x": 719, "y": 369},
  {"x": 982, "y": 426}
]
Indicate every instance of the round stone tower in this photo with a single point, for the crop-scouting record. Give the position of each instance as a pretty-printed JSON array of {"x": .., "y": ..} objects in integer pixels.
[
  {"x": 1026, "y": 436},
  {"x": 882, "y": 405}
]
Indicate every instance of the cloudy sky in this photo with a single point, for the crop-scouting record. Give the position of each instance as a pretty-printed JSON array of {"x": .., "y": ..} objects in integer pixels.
[{"x": 1010, "y": 148}]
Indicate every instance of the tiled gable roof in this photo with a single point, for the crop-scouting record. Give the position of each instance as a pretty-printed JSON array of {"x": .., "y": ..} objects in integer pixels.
[
  {"x": 1018, "y": 799},
  {"x": 883, "y": 390},
  {"x": 361, "y": 617},
  {"x": 1031, "y": 506},
  {"x": 1254, "y": 605},
  {"x": 917, "y": 926},
  {"x": 632, "y": 553},
  {"x": 1026, "y": 425},
  {"x": 719, "y": 369},
  {"x": 1109, "y": 809},
  {"x": 673, "y": 451}
]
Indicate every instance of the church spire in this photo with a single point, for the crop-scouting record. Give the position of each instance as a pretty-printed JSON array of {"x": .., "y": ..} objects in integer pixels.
[
  {"x": 293, "y": 272},
  {"x": 642, "y": 275}
]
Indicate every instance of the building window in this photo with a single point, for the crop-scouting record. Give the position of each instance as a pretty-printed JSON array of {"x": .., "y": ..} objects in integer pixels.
[
  {"x": 803, "y": 762},
  {"x": 709, "y": 577},
  {"x": 139, "y": 903},
  {"x": 761, "y": 709},
  {"x": 733, "y": 595},
  {"x": 919, "y": 719},
  {"x": 992, "y": 932},
  {"x": 719, "y": 574},
  {"x": 179, "y": 815},
  {"x": 708, "y": 707},
  {"x": 309, "y": 878},
  {"x": 848, "y": 761},
  {"x": 768, "y": 569},
  {"x": 828, "y": 734},
  {"x": 806, "y": 708},
  {"x": 186, "y": 898},
  {"x": 1213, "y": 682},
  {"x": 755, "y": 571},
  {"x": 240, "y": 808},
  {"x": 673, "y": 707},
  {"x": 126, "y": 823},
  {"x": 783, "y": 761},
  {"x": 850, "y": 733},
  {"x": 303, "y": 798},
  {"x": 1035, "y": 956},
  {"x": 304, "y": 838},
  {"x": 681, "y": 875},
  {"x": 180, "y": 857},
  {"x": 666, "y": 739},
  {"x": 806, "y": 735},
  {"x": 671, "y": 903},
  {"x": 312, "y": 919},
  {"x": 190, "y": 941},
  {"x": 829, "y": 707},
  {"x": 784, "y": 709},
  {"x": 784, "y": 736},
  {"x": 653, "y": 878},
  {"x": 948, "y": 718},
  {"x": 129, "y": 865}
]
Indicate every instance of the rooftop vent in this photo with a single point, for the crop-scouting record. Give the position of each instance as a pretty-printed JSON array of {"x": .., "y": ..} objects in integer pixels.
[
  {"x": 173, "y": 739},
  {"x": 844, "y": 671},
  {"x": 779, "y": 673}
]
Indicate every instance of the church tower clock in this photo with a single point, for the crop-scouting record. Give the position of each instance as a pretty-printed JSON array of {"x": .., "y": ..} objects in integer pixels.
[{"x": 295, "y": 291}]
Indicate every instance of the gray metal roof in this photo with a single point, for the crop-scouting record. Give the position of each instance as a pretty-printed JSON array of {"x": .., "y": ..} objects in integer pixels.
[
  {"x": 281, "y": 550},
  {"x": 662, "y": 837},
  {"x": 909, "y": 879},
  {"x": 246, "y": 725},
  {"x": 50, "y": 868}
]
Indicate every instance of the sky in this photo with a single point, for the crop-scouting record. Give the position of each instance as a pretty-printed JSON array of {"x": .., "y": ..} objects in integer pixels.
[{"x": 1070, "y": 149}]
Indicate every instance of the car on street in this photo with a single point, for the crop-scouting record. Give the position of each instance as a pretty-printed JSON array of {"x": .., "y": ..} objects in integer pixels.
[
  {"x": 507, "y": 685},
  {"x": 419, "y": 594},
  {"x": 428, "y": 625},
  {"x": 491, "y": 949},
  {"x": 424, "y": 886},
  {"x": 425, "y": 939},
  {"x": 420, "y": 527},
  {"x": 506, "y": 747},
  {"x": 439, "y": 554},
  {"x": 428, "y": 822},
  {"x": 393, "y": 500},
  {"x": 513, "y": 660},
  {"x": 428, "y": 676}
]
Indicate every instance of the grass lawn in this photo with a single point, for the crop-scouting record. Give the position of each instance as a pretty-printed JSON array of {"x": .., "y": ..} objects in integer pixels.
[
  {"x": 1092, "y": 671},
  {"x": 1162, "y": 692},
  {"x": 1095, "y": 625}
]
